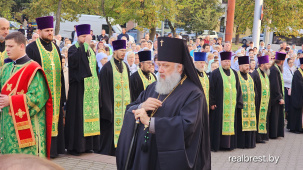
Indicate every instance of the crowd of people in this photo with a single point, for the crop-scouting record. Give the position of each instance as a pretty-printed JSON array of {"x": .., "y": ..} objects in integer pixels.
[{"x": 90, "y": 93}]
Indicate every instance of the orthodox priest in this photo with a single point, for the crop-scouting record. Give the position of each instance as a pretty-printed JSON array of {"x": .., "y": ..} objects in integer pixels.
[
  {"x": 173, "y": 133},
  {"x": 246, "y": 117},
  {"x": 262, "y": 98},
  {"x": 199, "y": 58},
  {"x": 225, "y": 98},
  {"x": 26, "y": 103},
  {"x": 276, "y": 115},
  {"x": 82, "y": 128},
  {"x": 4, "y": 30},
  {"x": 295, "y": 117},
  {"x": 47, "y": 54},
  {"x": 143, "y": 77},
  {"x": 115, "y": 96}
]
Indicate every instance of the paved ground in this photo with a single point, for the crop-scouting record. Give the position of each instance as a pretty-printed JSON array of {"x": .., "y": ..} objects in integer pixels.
[{"x": 289, "y": 150}]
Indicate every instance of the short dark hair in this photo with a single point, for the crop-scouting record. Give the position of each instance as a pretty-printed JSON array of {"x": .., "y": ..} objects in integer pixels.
[
  {"x": 18, "y": 37},
  {"x": 143, "y": 41},
  {"x": 250, "y": 50},
  {"x": 204, "y": 46}
]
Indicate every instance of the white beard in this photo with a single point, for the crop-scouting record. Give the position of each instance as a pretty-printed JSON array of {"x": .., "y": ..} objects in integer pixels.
[{"x": 165, "y": 86}]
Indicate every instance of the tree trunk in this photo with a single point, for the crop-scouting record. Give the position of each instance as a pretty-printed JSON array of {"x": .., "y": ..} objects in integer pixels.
[
  {"x": 152, "y": 33},
  {"x": 172, "y": 28},
  {"x": 110, "y": 32},
  {"x": 58, "y": 17},
  {"x": 237, "y": 37}
]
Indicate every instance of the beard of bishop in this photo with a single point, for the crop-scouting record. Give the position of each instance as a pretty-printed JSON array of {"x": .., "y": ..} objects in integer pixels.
[{"x": 165, "y": 86}]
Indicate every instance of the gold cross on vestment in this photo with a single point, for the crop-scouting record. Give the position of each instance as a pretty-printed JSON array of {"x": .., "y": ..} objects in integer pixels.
[
  {"x": 20, "y": 113},
  {"x": 161, "y": 42},
  {"x": 9, "y": 87}
]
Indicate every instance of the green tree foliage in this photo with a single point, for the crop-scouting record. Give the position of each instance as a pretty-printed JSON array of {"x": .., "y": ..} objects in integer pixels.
[
  {"x": 6, "y": 8},
  {"x": 244, "y": 16},
  {"x": 199, "y": 15}
]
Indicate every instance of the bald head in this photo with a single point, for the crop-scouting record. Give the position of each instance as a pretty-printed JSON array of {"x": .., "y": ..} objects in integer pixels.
[{"x": 4, "y": 28}]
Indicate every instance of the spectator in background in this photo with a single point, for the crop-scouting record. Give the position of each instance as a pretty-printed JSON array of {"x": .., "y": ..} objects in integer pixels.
[
  {"x": 123, "y": 34},
  {"x": 251, "y": 46},
  {"x": 30, "y": 31},
  {"x": 129, "y": 59},
  {"x": 144, "y": 44},
  {"x": 137, "y": 60},
  {"x": 206, "y": 40},
  {"x": 293, "y": 48},
  {"x": 268, "y": 48},
  {"x": 219, "y": 41},
  {"x": 262, "y": 46},
  {"x": 103, "y": 36},
  {"x": 92, "y": 34},
  {"x": 35, "y": 37},
  {"x": 170, "y": 35},
  {"x": 146, "y": 37},
  {"x": 110, "y": 43},
  {"x": 58, "y": 39},
  {"x": 252, "y": 65},
  {"x": 301, "y": 50},
  {"x": 288, "y": 72},
  {"x": 21, "y": 30},
  {"x": 138, "y": 47},
  {"x": 155, "y": 45},
  {"x": 198, "y": 43},
  {"x": 133, "y": 47},
  {"x": 74, "y": 34},
  {"x": 102, "y": 59}
]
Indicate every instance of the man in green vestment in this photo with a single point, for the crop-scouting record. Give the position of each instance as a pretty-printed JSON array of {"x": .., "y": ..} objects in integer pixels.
[
  {"x": 4, "y": 30},
  {"x": 225, "y": 98},
  {"x": 199, "y": 61},
  {"x": 115, "y": 96},
  {"x": 47, "y": 54},
  {"x": 246, "y": 117},
  {"x": 143, "y": 77},
  {"x": 31, "y": 105},
  {"x": 82, "y": 124}
]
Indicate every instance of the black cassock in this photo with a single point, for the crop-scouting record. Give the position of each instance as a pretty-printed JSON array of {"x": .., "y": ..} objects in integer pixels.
[
  {"x": 219, "y": 141},
  {"x": 137, "y": 85},
  {"x": 295, "y": 114},
  {"x": 107, "y": 107},
  {"x": 245, "y": 139},
  {"x": 181, "y": 138},
  {"x": 78, "y": 67},
  {"x": 57, "y": 143},
  {"x": 255, "y": 75},
  {"x": 276, "y": 114},
  {"x": 2, "y": 46}
]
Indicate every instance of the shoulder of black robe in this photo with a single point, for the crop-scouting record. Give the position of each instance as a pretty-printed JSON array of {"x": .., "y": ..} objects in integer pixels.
[
  {"x": 78, "y": 64},
  {"x": 297, "y": 90},
  {"x": 33, "y": 52},
  {"x": 137, "y": 86},
  {"x": 190, "y": 123},
  {"x": 275, "y": 85},
  {"x": 213, "y": 79}
]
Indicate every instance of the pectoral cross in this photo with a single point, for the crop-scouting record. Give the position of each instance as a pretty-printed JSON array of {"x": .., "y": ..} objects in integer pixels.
[{"x": 161, "y": 42}]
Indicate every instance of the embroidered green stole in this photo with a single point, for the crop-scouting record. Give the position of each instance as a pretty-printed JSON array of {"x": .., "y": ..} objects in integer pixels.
[
  {"x": 300, "y": 71},
  {"x": 146, "y": 81},
  {"x": 249, "y": 108},
  {"x": 265, "y": 95},
  {"x": 91, "y": 122},
  {"x": 229, "y": 102},
  {"x": 205, "y": 84},
  {"x": 3, "y": 55},
  {"x": 121, "y": 97},
  {"x": 281, "y": 79},
  {"x": 51, "y": 65}
]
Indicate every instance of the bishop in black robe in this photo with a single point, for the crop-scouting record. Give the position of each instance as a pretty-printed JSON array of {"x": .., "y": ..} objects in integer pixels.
[
  {"x": 179, "y": 130},
  {"x": 245, "y": 139},
  {"x": 57, "y": 144},
  {"x": 276, "y": 114},
  {"x": 295, "y": 115},
  {"x": 255, "y": 75},
  {"x": 219, "y": 141},
  {"x": 107, "y": 106}
]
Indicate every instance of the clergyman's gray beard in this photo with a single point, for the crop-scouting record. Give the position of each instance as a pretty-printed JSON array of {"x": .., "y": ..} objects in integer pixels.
[
  {"x": 267, "y": 72},
  {"x": 165, "y": 86}
]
